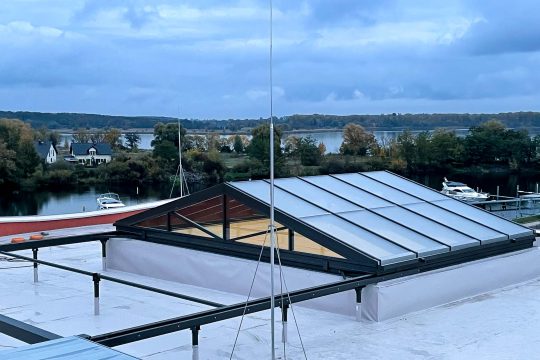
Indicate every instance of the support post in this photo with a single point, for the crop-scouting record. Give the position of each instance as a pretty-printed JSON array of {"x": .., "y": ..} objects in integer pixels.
[
  {"x": 34, "y": 255},
  {"x": 104, "y": 254},
  {"x": 226, "y": 224},
  {"x": 497, "y": 192},
  {"x": 96, "y": 279},
  {"x": 195, "y": 342},
  {"x": 358, "y": 303},
  {"x": 284, "y": 308},
  {"x": 291, "y": 240},
  {"x": 169, "y": 227}
]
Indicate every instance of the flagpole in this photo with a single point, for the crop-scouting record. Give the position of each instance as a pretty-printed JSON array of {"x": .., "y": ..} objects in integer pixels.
[{"x": 272, "y": 225}]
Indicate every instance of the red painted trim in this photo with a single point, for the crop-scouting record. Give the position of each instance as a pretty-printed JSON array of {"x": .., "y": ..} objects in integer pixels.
[{"x": 27, "y": 227}]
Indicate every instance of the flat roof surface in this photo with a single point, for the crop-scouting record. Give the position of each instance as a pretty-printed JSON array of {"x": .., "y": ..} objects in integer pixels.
[
  {"x": 498, "y": 325},
  {"x": 69, "y": 348}
]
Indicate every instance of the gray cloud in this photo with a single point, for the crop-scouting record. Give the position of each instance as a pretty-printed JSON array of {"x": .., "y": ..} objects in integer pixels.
[{"x": 211, "y": 57}]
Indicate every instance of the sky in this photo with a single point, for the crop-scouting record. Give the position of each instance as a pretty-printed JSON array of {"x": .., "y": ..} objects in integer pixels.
[{"x": 210, "y": 58}]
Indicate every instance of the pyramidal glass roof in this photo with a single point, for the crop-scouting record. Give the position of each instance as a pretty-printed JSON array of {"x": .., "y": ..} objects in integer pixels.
[{"x": 383, "y": 215}]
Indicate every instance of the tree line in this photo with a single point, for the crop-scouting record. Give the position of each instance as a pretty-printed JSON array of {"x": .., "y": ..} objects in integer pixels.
[
  {"x": 288, "y": 123},
  {"x": 212, "y": 158}
]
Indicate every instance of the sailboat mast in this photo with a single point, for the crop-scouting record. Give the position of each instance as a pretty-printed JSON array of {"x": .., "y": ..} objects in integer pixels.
[
  {"x": 181, "y": 173},
  {"x": 272, "y": 225}
]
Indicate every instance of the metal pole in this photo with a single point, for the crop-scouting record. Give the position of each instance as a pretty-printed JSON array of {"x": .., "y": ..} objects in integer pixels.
[
  {"x": 96, "y": 279},
  {"x": 497, "y": 192},
  {"x": 284, "y": 308},
  {"x": 34, "y": 255},
  {"x": 358, "y": 303},
  {"x": 272, "y": 228},
  {"x": 195, "y": 342},
  {"x": 180, "y": 160},
  {"x": 517, "y": 190},
  {"x": 104, "y": 254},
  {"x": 537, "y": 188}
]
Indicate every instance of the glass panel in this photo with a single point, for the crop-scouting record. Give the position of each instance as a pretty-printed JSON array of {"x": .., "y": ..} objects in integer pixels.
[
  {"x": 429, "y": 227},
  {"x": 305, "y": 245},
  {"x": 184, "y": 227},
  {"x": 239, "y": 211},
  {"x": 207, "y": 211},
  {"x": 316, "y": 195},
  {"x": 241, "y": 228},
  {"x": 159, "y": 222},
  {"x": 406, "y": 185},
  {"x": 495, "y": 222},
  {"x": 350, "y": 192},
  {"x": 457, "y": 222},
  {"x": 283, "y": 201},
  {"x": 379, "y": 189},
  {"x": 360, "y": 239},
  {"x": 254, "y": 226},
  {"x": 395, "y": 232}
]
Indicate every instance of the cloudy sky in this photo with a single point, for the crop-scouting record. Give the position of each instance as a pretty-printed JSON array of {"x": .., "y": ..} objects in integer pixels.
[{"x": 209, "y": 58}]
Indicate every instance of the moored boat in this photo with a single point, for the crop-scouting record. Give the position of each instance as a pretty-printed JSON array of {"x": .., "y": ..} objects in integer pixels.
[
  {"x": 462, "y": 192},
  {"x": 109, "y": 201}
]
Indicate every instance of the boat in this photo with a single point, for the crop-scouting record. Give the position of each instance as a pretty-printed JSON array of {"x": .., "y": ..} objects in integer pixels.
[
  {"x": 109, "y": 201},
  {"x": 462, "y": 192},
  {"x": 10, "y": 225}
]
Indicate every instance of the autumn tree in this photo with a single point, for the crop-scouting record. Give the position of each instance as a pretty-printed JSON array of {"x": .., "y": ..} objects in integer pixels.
[
  {"x": 357, "y": 141},
  {"x": 113, "y": 137},
  {"x": 17, "y": 138}
]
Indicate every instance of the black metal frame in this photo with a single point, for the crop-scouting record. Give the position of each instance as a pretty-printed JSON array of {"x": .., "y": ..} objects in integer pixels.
[
  {"x": 353, "y": 262},
  {"x": 25, "y": 332}
]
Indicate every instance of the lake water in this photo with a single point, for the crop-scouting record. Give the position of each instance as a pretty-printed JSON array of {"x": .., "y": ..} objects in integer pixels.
[
  {"x": 84, "y": 197},
  {"x": 80, "y": 199},
  {"x": 331, "y": 139}
]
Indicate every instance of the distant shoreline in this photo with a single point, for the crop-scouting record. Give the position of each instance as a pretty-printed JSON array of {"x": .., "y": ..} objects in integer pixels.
[{"x": 248, "y": 132}]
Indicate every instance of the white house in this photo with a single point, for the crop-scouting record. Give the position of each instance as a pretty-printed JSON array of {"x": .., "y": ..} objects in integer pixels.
[
  {"x": 90, "y": 154},
  {"x": 46, "y": 151}
]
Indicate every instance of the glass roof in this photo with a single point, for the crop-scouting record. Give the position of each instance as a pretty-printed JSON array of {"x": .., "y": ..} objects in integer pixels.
[{"x": 383, "y": 215}]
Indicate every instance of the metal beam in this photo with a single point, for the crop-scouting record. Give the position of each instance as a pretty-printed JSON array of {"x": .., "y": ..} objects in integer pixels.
[
  {"x": 198, "y": 226},
  {"x": 116, "y": 280},
  {"x": 25, "y": 332},
  {"x": 28, "y": 245},
  {"x": 251, "y": 252},
  {"x": 142, "y": 332}
]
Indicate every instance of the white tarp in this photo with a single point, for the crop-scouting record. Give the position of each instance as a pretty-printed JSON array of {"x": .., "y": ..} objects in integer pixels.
[
  {"x": 380, "y": 301},
  {"x": 397, "y": 297},
  {"x": 220, "y": 272}
]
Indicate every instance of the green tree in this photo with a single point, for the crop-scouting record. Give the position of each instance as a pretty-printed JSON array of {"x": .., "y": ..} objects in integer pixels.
[
  {"x": 485, "y": 143},
  {"x": 132, "y": 141},
  {"x": 8, "y": 167},
  {"x": 238, "y": 144},
  {"x": 406, "y": 146},
  {"x": 357, "y": 141},
  {"x": 446, "y": 147},
  {"x": 168, "y": 132},
  {"x": 307, "y": 149},
  {"x": 259, "y": 148}
]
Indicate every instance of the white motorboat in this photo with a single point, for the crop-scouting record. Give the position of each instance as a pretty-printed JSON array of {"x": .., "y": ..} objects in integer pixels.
[
  {"x": 462, "y": 192},
  {"x": 109, "y": 201}
]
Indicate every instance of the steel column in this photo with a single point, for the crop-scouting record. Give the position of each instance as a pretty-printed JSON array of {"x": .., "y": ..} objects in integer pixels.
[
  {"x": 34, "y": 256},
  {"x": 96, "y": 278}
]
